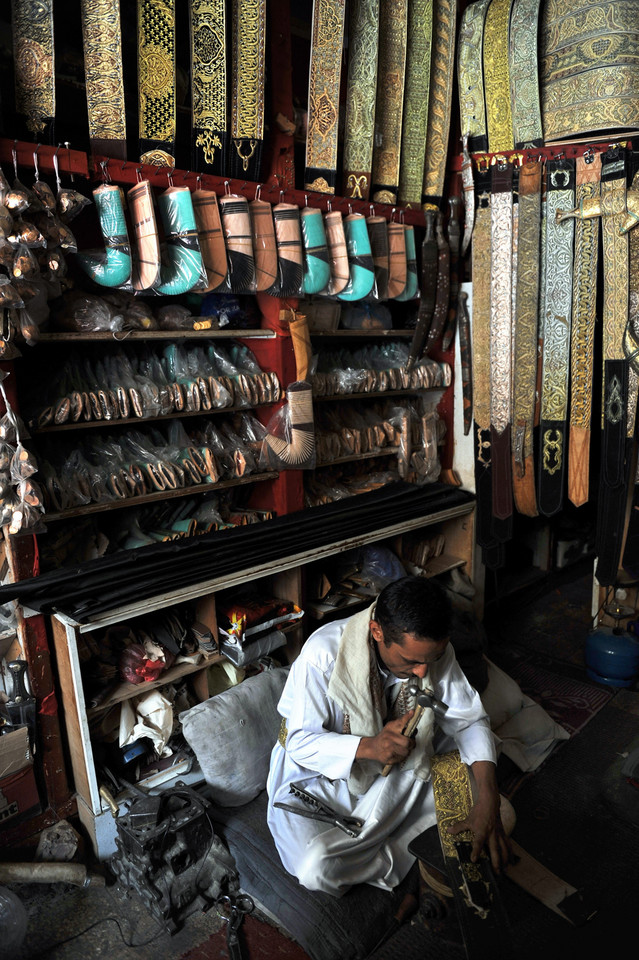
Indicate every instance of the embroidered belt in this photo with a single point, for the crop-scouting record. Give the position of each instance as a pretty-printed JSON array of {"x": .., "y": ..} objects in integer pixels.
[
  {"x": 156, "y": 81},
  {"x": 501, "y": 335},
  {"x": 556, "y": 335},
  {"x": 485, "y": 926},
  {"x": 415, "y": 120},
  {"x": 102, "y": 41},
  {"x": 208, "y": 85},
  {"x": 617, "y": 426},
  {"x": 497, "y": 77},
  {"x": 248, "y": 32},
  {"x": 470, "y": 76},
  {"x": 391, "y": 73},
  {"x": 323, "y": 95},
  {"x": 34, "y": 64},
  {"x": 359, "y": 127},
  {"x": 440, "y": 101},
  {"x": 481, "y": 370},
  {"x": 589, "y": 69},
  {"x": 584, "y": 305},
  {"x": 525, "y": 355},
  {"x": 524, "y": 74}
]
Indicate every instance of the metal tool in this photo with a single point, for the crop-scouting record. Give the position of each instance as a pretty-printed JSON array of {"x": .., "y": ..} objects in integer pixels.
[
  {"x": 424, "y": 699},
  {"x": 21, "y": 708},
  {"x": 232, "y": 910},
  {"x": 318, "y": 810}
]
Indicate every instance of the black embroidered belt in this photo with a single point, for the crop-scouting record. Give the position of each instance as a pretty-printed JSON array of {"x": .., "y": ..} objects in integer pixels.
[
  {"x": 323, "y": 96},
  {"x": 34, "y": 63},
  {"x": 208, "y": 85},
  {"x": 102, "y": 42},
  {"x": 156, "y": 82}
]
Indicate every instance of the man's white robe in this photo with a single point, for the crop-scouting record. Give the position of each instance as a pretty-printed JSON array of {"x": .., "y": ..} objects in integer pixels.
[{"x": 395, "y": 809}]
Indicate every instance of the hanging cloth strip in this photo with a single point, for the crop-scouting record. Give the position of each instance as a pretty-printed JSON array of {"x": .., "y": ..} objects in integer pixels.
[
  {"x": 34, "y": 63},
  {"x": 208, "y": 86},
  {"x": 501, "y": 251},
  {"x": 391, "y": 73},
  {"x": 102, "y": 41},
  {"x": 248, "y": 30},
  {"x": 525, "y": 336},
  {"x": 440, "y": 100},
  {"x": 428, "y": 288},
  {"x": 281, "y": 164},
  {"x": 616, "y": 449},
  {"x": 361, "y": 92},
  {"x": 524, "y": 74},
  {"x": 470, "y": 77},
  {"x": 497, "y": 77},
  {"x": 584, "y": 316},
  {"x": 556, "y": 334},
  {"x": 323, "y": 95},
  {"x": 631, "y": 349},
  {"x": 156, "y": 82},
  {"x": 415, "y": 120}
]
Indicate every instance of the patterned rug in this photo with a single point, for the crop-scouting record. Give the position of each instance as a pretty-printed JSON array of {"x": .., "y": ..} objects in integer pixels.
[{"x": 571, "y": 702}]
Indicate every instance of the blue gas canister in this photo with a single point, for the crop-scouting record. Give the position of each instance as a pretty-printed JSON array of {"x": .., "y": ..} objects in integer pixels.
[{"x": 612, "y": 653}]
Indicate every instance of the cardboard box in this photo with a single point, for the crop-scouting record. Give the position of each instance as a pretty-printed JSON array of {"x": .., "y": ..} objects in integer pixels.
[{"x": 19, "y": 798}]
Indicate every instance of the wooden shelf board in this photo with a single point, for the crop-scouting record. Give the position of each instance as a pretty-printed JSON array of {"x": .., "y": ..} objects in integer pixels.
[
  {"x": 125, "y": 691},
  {"x": 384, "y": 452},
  {"x": 438, "y": 565},
  {"x": 122, "y": 336},
  {"x": 342, "y": 333},
  {"x": 379, "y": 394},
  {"x": 133, "y": 421},
  {"x": 91, "y": 508}
]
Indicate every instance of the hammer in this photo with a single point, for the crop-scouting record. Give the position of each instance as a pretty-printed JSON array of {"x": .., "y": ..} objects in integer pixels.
[{"x": 424, "y": 699}]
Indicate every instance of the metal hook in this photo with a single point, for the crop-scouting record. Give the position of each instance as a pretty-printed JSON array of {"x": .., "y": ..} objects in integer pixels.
[
  {"x": 138, "y": 174},
  {"x": 392, "y": 215},
  {"x": 106, "y": 177},
  {"x": 329, "y": 205},
  {"x": 14, "y": 155},
  {"x": 56, "y": 167},
  {"x": 282, "y": 192},
  {"x": 371, "y": 209},
  {"x": 198, "y": 182},
  {"x": 68, "y": 146},
  {"x": 258, "y": 191},
  {"x": 350, "y": 209},
  {"x": 169, "y": 177},
  {"x": 35, "y": 162},
  {"x": 305, "y": 199},
  {"x": 186, "y": 175},
  {"x": 227, "y": 188}
]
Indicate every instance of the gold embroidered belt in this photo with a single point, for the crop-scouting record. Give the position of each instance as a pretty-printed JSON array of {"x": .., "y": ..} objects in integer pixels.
[
  {"x": 497, "y": 76},
  {"x": 584, "y": 305},
  {"x": 556, "y": 336},
  {"x": 618, "y": 412},
  {"x": 102, "y": 42},
  {"x": 156, "y": 82},
  {"x": 440, "y": 101},
  {"x": 359, "y": 127},
  {"x": 415, "y": 120},
  {"x": 391, "y": 74},
  {"x": 501, "y": 251},
  {"x": 470, "y": 76},
  {"x": 485, "y": 926},
  {"x": 208, "y": 85},
  {"x": 525, "y": 332},
  {"x": 524, "y": 74},
  {"x": 327, "y": 38},
  {"x": 589, "y": 69},
  {"x": 248, "y": 32},
  {"x": 33, "y": 57}
]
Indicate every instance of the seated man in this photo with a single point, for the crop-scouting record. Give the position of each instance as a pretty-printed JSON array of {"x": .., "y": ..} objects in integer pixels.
[{"x": 344, "y": 708}]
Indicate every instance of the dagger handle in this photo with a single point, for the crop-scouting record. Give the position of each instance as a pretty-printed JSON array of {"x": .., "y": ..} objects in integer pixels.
[{"x": 18, "y": 670}]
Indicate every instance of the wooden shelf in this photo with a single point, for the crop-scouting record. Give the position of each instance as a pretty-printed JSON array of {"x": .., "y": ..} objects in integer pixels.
[
  {"x": 90, "y": 508},
  {"x": 368, "y": 334},
  {"x": 379, "y": 394},
  {"x": 124, "y": 336},
  {"x": 135, "y": 421},
  {"x": 384, "y": 452},
  {"x": 125, "y": 691}
]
